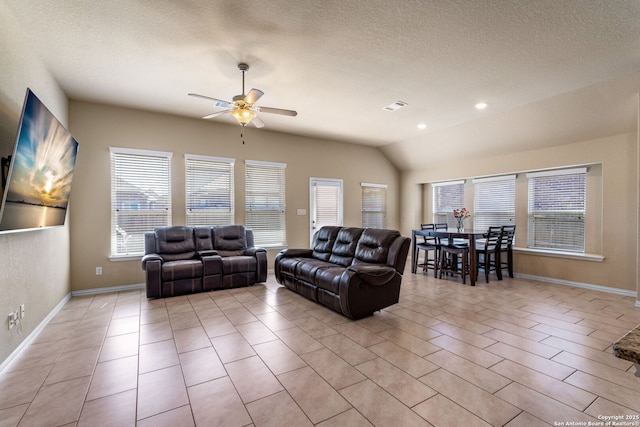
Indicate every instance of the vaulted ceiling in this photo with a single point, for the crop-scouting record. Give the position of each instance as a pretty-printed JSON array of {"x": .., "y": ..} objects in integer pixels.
[{"x": 551, "y": 72}]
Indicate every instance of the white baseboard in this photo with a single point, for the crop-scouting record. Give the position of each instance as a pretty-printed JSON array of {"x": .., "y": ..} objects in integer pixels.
[
  {"x": 107, "y": 290},
  {"x": 55, "y": 311},
  {"x": 34, "y": 333},
  {"x": 600, "y": 288}
]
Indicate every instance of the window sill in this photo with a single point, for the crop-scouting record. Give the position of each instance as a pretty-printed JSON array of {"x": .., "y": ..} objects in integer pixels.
[
  {"x": 117, "y": 258},
  {"x": 560, "y": 254},
  {"x": 273, "y": 247}
]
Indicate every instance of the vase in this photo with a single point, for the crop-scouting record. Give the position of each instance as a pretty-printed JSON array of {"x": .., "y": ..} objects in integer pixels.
[{"x": 460, "y": 224}]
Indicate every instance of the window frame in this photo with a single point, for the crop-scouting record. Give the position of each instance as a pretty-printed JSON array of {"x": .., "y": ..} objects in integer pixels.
[
  {"x": 271, "y": 188},
  {"x": 565, "y": 223},
  {"x": 502, "y": 191},
  {"x": 374, "y": 209},
  {"x": 446, "y": 215},
  {"x": 326, "y": 206},
  {"x": 221, "y": 190},
  {"x": 132, "y": 161}
]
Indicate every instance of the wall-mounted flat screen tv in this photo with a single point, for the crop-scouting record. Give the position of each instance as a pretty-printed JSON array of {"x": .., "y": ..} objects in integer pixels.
[{"x": 41, "y": 171}]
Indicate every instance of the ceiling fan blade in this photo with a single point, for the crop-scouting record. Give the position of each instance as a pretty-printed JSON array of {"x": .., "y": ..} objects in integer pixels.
[
  {"x": 218, "y": 102},
  {"x": 216, "y": 114},
  {"x": 257, "y": 122},
  {"x": 253, "y": 96},
  {"x": 277, "y": 111}
]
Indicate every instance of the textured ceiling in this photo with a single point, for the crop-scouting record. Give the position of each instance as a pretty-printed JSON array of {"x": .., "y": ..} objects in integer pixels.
[{"x": 552, "y": 71}]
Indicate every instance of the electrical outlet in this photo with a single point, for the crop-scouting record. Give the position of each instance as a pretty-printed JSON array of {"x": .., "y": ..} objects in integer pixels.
[
  {"x": 22, "y": 311},
  {"x": 13, "y": 317},
  {"x": 98, "y": 271}
]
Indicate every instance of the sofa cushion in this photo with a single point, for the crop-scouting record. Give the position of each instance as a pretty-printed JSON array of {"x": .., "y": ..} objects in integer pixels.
[
  {"x": 175, "y": 243},
  {"x": 181, "y": 269},
  {"x": 344, "y": 248},
  {"x": 373, "y": 246},
  {"x": 329, "y": 278},
  {"x": 306, "y": 269},
  {"x": 323, "y": 241},
  {"x": 229, "y": 240},
  {"x": 202, "y": 235},
  {"x": 288, "y": 265}
]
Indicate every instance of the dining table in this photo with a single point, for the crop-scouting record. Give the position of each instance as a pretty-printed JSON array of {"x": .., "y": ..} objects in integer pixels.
[{"x": 469, "y": 235}]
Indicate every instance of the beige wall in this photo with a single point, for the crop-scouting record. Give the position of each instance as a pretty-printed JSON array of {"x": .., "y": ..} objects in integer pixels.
[
  {"x": 612, "y": 228},
  {"x": 97, "y": 127},
  {"x": 34, "y": 264}
]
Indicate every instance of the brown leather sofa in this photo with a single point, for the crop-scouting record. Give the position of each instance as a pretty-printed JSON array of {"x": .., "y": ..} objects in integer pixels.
[
  {"x": 181, "y": 260},
  {"x": 354, "y": 271}
]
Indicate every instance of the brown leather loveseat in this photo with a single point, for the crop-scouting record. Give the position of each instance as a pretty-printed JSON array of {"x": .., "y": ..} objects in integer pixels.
[
  {"x": 181, "y": 260},
  {"x": 354, "y": 271}
]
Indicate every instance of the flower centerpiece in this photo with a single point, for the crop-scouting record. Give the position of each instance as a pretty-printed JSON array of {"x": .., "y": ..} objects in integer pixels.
[{"x": 460, "y": 215}]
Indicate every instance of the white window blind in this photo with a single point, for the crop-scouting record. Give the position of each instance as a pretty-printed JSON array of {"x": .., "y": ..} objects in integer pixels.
[
  {"x": 209, "y": 190},
  {"x": 447, "y": 196},
  {"x": 265, "y": 202},
  {"x": 326, "y": 202},
  {"x": 374, "y": 205},
  {"x": 557, "y": 210},
  {"x": 140, "y": 197},
  {"x": 494, "y": 202}
]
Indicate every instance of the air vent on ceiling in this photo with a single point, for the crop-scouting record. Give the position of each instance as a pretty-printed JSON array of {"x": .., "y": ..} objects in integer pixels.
[{"x": 395, "y": 106}]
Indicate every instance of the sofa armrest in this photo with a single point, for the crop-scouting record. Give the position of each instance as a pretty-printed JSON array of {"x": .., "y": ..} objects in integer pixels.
[
  {"x": 211, "y": 264},
  {"x": 150, "y": 257},
  {"x": 365, "y": 288},
  {"x": 152, "y": 264},
  {"x": 296, "y": 253},
  {"x": 373, "y": 274},
  {"x": 208, "y": 252},
  {"x": 253, "y": 251},
  {"x": 261, "y": 258}
]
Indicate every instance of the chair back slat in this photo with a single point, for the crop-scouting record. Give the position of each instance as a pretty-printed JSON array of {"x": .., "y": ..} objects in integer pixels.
[
  {"x": 508, "y": 232},
  {"x": 429, "y": 240},
  {"x": 493, "y": 238}
]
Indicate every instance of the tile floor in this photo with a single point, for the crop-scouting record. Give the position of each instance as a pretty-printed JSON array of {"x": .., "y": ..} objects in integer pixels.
[{"x": 510, "y": 353}]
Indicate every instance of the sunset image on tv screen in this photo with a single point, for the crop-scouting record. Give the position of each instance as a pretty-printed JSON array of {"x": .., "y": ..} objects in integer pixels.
[{"x": 39, "y": 181}]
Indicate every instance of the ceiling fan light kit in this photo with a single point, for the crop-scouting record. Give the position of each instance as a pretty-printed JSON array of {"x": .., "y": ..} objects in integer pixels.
[
  {"x": 243, "y": 115},
  {"x": 241, "y": 107}
]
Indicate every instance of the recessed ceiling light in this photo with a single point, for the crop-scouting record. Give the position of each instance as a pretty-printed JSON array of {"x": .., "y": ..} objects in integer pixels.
[
  {"x": 422, "y": 126},
  {"x": 481, "y": 105}
]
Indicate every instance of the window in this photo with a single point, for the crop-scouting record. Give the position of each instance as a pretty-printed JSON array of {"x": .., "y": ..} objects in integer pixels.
[
  {"x": 325, "y": 202},
  {"x": 265, "y": 202},
  {"x": 447, "y": 196},
  {"x": 140, "y": 197},
  {"x": 374, "y": 205},
  {"x": 494, "y": 202},
  {"x": 209, "y": 190},
  {"x": 557, "y": 210}
]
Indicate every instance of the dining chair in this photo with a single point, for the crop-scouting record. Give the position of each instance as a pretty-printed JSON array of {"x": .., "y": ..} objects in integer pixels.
[
  {"x": 488, "y": 255},
  {"x": 506, "y": 246},
  {"x": 428, "y": 244},
  {"x": 454, "y": 256},
  {"x": 441, "y": 227},
  {"x": 454, "y": 259}
]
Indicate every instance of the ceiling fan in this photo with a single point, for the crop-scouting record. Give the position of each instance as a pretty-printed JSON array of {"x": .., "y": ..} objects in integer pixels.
[{"x": 242, "y": 107}]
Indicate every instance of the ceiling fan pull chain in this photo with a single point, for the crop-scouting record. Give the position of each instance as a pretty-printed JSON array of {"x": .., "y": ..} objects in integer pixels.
[{"x": 242, "y": 133}]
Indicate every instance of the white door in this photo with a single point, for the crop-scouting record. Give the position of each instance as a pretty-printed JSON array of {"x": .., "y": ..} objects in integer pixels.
[{"x": 325, "y": 202}]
